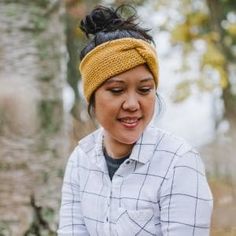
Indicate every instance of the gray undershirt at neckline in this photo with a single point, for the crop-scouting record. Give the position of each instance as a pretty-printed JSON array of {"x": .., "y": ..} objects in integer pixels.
[{"x": 113, "y": 164}]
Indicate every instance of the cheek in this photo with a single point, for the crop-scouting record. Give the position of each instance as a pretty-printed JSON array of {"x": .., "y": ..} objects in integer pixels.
[
  {"x": 98, "y": 111},
  {"x": 103, "y": 107},
  {"x": 150, "y": 105}
]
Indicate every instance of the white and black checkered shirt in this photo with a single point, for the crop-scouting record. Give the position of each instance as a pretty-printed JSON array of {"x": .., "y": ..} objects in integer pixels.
[{"x": 161, "y": 189}]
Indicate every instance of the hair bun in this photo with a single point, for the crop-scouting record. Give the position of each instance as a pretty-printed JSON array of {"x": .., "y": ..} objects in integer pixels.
[{"x": 104, "y": 19}]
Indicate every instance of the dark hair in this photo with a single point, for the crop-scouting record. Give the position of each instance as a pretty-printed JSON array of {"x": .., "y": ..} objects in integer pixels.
[{"x": 106, "y": 24}]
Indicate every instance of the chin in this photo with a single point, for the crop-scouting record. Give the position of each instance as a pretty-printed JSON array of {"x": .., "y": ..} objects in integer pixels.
[{"x": 130, "y": 140}]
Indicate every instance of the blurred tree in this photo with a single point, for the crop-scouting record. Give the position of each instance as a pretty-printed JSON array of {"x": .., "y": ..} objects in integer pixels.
[
  {"x": 75, "y": 41},
  {"x": 75, "y": 11},
  {"x": 32, "y": 124},
  {"x": 213, "y": 23}
]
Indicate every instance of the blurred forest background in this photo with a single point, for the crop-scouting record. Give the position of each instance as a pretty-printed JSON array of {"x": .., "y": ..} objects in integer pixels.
[{"x": 42, "y": 113}]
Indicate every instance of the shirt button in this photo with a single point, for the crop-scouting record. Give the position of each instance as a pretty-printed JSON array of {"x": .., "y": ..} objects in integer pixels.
[{"x": 107, "y": 219}]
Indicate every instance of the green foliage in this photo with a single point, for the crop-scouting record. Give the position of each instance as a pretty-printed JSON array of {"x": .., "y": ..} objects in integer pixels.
[
  {"x": 183, "y": 91},
  {"x": 231, "y": 30},
  {"x": 218, "y": 34},
  {"x": 182, "y": 33},
  {"x": 192, "y": 28}
]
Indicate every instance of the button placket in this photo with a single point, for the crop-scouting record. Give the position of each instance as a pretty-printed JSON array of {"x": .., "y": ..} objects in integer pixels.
[
  {"x": 127, "y": 162},
  {"x": 109, "y": 198}
]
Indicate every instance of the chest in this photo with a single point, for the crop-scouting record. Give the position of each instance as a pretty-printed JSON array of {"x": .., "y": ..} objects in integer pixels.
[
  {"x": 134, "y": 186},
  {"x": 131, "y": 196}
]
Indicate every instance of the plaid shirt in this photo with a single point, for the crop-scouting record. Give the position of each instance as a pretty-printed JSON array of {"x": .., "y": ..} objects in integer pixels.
[{"x": 160, "y": 190}]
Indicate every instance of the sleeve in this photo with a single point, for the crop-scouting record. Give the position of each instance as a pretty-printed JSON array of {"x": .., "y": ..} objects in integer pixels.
[
  {"x": 185, "y": 199},
  {"x": 70, "y": 218}
]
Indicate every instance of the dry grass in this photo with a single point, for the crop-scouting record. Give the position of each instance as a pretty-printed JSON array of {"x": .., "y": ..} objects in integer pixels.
[{"x": 224, "y": 214}]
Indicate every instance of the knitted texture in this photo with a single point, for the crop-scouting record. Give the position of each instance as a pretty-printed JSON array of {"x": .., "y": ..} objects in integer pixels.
[{"x": 114, "y": 57}]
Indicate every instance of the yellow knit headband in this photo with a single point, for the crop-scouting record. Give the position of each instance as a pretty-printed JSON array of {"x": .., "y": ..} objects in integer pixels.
[{"x": 114, "y": 57}]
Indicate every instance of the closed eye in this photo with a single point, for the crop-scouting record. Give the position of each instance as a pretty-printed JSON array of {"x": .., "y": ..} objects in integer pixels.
[
  {"x": 116, "y": 90},
  {"x": 145, "y": 90}
]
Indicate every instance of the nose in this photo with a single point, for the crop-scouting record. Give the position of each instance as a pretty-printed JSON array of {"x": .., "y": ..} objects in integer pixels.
[{"x": 131, "y": 102}]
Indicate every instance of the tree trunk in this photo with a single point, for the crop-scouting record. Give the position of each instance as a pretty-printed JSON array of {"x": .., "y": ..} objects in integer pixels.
[
  {"x": 216, "y": 9},
  {"x": 32, "y": 121},
  {"x": 75, "y": 11}
]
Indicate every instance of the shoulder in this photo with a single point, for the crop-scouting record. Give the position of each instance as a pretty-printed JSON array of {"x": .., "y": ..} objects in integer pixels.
[
  {"x": 90, "y": 141},
  {"x": 173, "y": 152},
  {"x": 86, "y": 146},
  {"x": 167, "y": 141}
]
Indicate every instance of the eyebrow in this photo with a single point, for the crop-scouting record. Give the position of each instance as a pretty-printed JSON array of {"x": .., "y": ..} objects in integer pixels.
[{"x": 117, "y": 80}]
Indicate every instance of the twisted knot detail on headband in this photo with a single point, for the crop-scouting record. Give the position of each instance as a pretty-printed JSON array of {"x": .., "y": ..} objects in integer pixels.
[{"x": 114, "y": 57}]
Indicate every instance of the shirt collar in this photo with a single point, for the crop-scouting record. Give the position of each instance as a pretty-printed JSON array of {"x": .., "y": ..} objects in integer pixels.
[
  {"x": 146, "y": 145},
  {"x": 143, "y": 149}
]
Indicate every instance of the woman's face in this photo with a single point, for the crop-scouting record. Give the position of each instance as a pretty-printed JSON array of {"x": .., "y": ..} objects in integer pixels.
[{"x": 124, "y": 104}]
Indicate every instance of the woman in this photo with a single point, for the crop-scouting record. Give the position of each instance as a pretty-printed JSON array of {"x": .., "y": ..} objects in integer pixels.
[{"x": 129, "y": 178}]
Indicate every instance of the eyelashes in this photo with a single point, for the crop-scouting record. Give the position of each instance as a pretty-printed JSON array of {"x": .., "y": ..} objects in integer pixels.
[
  {"x": 143, "y": 90},
  {"x": 116, "y": 90}
]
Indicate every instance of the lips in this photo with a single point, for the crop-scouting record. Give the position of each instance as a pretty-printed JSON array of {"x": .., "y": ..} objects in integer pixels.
[{"x": 129, "y": 122}]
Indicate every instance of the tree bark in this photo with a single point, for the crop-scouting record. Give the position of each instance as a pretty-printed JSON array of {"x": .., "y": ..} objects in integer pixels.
[{"x": 32, "y": 121}]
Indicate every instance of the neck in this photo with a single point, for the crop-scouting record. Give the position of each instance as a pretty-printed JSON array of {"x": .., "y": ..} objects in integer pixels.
[{"x": 116, "y": 149}]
